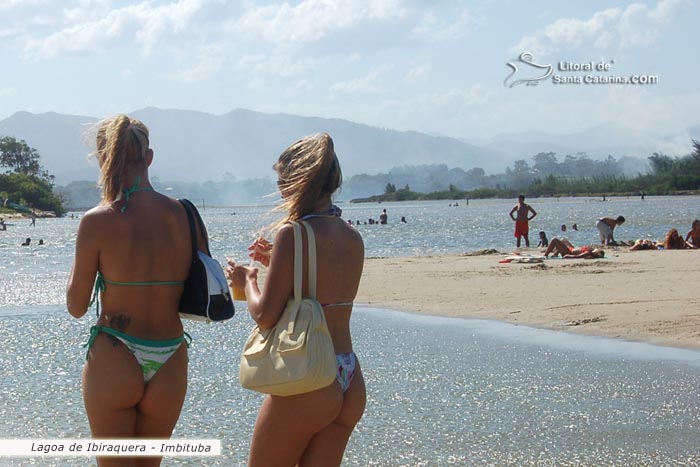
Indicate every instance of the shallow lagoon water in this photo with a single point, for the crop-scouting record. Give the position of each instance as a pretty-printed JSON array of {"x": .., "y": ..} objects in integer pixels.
[{"x": 441, "y": 391}]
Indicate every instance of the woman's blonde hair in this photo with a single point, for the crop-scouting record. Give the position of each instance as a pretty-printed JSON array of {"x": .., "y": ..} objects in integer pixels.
[
  {"x": 122, "y": 144},
  {"x": 308, "y": 171}
]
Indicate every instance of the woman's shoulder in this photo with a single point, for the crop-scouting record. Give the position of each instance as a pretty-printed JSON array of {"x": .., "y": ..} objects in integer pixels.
[{"x": 96, "y": 216}]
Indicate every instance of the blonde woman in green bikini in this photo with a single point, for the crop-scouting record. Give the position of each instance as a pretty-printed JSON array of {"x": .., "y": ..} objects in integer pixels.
[
  {"x": 137, "y": 244},
  {"x": 310, "y": 429}
]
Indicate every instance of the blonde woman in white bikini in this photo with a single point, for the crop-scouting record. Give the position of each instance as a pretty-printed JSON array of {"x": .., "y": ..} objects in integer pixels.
[{"x": 310, "y": 429}]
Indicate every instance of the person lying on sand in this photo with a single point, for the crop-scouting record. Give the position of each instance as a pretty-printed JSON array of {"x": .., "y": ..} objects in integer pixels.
[
  {"x": 565, "y": 249},
  {"x": 644, "y": 244},
  {"x": 674, "y": 241}
]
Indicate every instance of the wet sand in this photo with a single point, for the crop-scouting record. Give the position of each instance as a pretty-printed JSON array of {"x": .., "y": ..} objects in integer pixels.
[{"x": 636, "y": 295}]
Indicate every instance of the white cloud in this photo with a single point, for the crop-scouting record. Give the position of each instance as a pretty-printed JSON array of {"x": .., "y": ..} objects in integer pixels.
[
  {"x": 209, "y": 61},
  {"x": 8, "y": 6},
  {"x": 142, "y": 24},
  {"x": 418, "y": 73},
  {"x": 435, "y": 28},
  {"x": 281, "y": 71},
  {"x": 311, "y": 20},
  {"x": 276, "y": 65},
  {"x": 636, "y": 25},
  {"x": 10, "y": 33},
  {"x": 373, "y": 83},
  {"x": 8, "y": 92}
]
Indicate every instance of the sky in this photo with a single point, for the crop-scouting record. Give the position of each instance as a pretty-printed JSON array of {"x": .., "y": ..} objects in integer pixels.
[{"x": 439, "y": 67}]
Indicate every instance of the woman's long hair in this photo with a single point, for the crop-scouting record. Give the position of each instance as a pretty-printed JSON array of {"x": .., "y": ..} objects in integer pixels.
[
  {"x": 308, "y": 171},
  {"x": 673, "y": 240},
  {"x": 122, "y": 143}
]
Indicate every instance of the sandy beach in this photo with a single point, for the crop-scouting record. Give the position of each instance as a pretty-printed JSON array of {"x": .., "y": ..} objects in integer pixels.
[{"x": 634, "y": 295}]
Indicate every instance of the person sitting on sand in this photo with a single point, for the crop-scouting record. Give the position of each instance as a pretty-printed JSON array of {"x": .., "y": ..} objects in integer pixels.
[
  {"x": 673, "y": 240},
  {"x": 644, "y": 244},
  {"x": 544, "y": 243},
  {"x": 565, "y": 249},
  {"x": 692, "y": 239}
]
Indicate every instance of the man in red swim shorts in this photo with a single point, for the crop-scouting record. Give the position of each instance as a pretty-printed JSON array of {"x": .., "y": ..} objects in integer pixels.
[{"x": 522, "y": 218}]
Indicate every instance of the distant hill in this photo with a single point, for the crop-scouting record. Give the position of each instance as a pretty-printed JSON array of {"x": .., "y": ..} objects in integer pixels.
[
  {"x": 598, "y": 142},
  {"x": 58, "y": 138},
  {"x": 195, "y": 146},
  {"x": 242, "y": 144}
]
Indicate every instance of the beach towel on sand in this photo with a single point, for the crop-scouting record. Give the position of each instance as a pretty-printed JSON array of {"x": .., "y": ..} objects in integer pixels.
[{"x": 522, "y": 259}]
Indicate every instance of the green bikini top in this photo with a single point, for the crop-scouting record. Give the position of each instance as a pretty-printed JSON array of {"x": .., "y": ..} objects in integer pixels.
[{"x": 101, "y": 282}]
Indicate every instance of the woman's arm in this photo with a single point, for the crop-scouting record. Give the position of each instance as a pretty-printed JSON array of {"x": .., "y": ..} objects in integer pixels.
[
  {"x": 82, "y": 276},
  {"x": 266, "y": 307}
]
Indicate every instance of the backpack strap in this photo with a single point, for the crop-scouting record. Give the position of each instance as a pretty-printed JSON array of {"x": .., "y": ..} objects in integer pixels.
[{"x": 311, "y": 237}]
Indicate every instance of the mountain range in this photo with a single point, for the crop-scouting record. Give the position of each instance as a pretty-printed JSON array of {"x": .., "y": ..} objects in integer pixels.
[{"x": 193, "y": 146}]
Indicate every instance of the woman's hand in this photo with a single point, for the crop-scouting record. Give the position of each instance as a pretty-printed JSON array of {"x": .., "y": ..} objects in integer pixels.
[
  {"x": 237, "y": 275},
  {"x": 260, "y": 251}
]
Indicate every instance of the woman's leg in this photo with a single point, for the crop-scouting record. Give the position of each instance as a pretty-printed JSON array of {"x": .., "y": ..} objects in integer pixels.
[
  {"x": 285, "y": 425},
  {"x": 112, "y": 387},
  {"x": 328, "y": 446},
  {"x": 558, "y": 247},
  {"x": 160, "y": 406}
]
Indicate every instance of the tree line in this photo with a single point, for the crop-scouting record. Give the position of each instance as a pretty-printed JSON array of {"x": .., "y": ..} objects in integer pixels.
[
  {"x": 27, "y": 185},
  {"x": 575, "y": 176}
]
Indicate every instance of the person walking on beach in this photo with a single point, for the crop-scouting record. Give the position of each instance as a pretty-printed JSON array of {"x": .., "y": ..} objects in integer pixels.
[
  {"x": 605, "y": 226},
  {"x": 137, "y": 244},
  {"x": 33, "y": 222},
  {"x": 311, "y": 428},
  {"x": 521, "y": 215}
]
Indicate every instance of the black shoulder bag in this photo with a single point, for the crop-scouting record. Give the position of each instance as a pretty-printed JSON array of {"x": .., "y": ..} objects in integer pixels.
[{"x": 206, "y": 296}]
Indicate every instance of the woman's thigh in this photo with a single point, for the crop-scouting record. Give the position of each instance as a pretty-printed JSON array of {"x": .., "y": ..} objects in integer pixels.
[
  {"x": 112, "y": 387},
  {"x": 286, "y": 425},
  {"x": 327, "y": 447},
  {"x": 160, "y": 406}
]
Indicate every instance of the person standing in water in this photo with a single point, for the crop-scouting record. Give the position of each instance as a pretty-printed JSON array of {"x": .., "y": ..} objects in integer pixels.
[
  {"x": 521, "y": 215},
  {"x": 137, "y": 245},
  {"x": 312, "y": 428}
]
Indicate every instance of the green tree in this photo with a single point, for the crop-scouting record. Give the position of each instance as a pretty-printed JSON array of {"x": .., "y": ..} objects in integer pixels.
[
  {"x": 20, "y": 158},
  {"x": 661, "y": 163},
  {"x": 390, "y": 188},
  {"x": 26, "y": 183},
  {"x": 30, "y": 191}
]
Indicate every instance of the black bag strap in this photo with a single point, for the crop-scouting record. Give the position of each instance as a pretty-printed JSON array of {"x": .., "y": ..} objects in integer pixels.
[{"x": 189, "y": 209}]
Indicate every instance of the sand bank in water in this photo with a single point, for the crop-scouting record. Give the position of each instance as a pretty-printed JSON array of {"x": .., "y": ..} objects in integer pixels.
[{"x": 637, "y": 295}]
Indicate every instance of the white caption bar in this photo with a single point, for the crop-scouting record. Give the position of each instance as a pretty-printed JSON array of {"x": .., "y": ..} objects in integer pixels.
[{"x": 109, "y": 447}]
